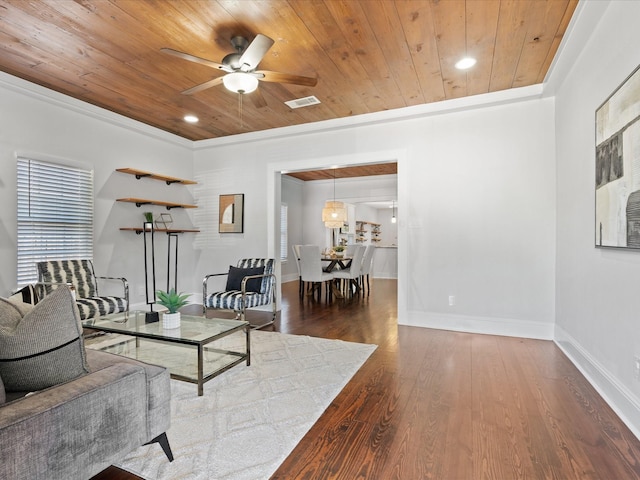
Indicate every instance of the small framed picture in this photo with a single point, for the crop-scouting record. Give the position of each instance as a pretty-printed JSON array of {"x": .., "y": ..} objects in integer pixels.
[{"x": 231, "y": 213}]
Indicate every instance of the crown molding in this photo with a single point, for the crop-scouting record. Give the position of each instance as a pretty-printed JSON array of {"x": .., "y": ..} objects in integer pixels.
[{"x": 513, "y": 95}]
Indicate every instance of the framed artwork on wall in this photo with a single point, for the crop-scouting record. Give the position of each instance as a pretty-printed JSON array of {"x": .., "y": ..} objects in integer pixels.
[
  {"x": 231, "y": 213},
  {"x": 617, "y": 215}
]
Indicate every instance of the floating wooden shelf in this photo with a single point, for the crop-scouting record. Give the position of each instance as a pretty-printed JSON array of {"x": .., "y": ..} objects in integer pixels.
[
  {"x": 155, "y": 176},
  {"x": 139, "y": 230},
  {"x": 143, "y": 201}
]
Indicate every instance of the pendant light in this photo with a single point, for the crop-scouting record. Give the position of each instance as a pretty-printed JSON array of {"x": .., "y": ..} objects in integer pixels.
[
  {"x": 334, "y": 214},
  {"x": 393, "y": 205}
]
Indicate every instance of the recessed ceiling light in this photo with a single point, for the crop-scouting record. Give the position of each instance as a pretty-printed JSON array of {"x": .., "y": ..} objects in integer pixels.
[
  {"x": 191, "y": 118},
  {"x": 466, "y": 62}
]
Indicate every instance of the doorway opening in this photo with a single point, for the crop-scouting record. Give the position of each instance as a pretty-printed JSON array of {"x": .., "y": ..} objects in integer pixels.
[{"x": 278, "y": 170}]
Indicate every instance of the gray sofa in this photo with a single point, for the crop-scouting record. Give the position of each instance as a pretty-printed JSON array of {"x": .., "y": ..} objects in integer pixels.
[{"x": 77, "y": 429}]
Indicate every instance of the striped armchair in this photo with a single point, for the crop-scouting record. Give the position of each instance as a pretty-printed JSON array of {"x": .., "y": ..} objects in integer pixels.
[
  {"x": 250, "y": 284},
  {"x": 80, "y": 275}
]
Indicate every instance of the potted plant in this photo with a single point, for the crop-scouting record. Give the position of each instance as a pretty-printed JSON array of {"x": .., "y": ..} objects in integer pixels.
[
  {"x": 148, "y": 220},
  {"x": 172, "y": 301},
  {"x": 339, "y": 250}
]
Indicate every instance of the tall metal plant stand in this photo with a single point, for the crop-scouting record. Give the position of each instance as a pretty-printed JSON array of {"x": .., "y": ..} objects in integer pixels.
[
  {"x": 150, "y": 261},
  {"x": 173, "y": 235}
]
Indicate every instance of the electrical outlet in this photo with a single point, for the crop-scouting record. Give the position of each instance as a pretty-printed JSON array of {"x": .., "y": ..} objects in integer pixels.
[{"x": 452, "y": 300}]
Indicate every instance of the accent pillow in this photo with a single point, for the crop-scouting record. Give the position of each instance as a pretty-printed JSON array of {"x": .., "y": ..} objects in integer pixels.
[
  {"x": 235, "y": 276},
  {"x": 41, "y": 347},
  {"x": 26, "y": 294}
]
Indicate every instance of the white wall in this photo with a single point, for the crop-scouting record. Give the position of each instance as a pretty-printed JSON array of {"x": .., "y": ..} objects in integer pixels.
[
  {"x": 292, "y": 195},
  {"x": 388, "y": 230},
  {"x": 476, "y": 193},
  {"x": 40, "y": 123},
  {"x": 598, "y": 304}
]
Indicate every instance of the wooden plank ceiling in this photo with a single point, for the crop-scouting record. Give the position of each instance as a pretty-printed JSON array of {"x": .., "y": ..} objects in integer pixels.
[
  {"x": 368, "y": 55},
  {"x": 390, "y": 168}
]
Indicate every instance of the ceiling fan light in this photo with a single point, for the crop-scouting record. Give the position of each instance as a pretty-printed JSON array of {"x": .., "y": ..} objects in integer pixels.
[{"x": 240, "y": 82}]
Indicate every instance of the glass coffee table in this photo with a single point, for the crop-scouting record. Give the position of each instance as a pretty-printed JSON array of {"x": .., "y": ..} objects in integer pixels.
[{"x": 197, "y": 351}]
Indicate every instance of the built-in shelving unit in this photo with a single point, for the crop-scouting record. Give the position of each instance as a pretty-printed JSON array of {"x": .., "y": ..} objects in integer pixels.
[{"x": 367, "y": 232}]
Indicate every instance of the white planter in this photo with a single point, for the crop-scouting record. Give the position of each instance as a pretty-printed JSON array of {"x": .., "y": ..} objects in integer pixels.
[{"x": 171, "y": 320}]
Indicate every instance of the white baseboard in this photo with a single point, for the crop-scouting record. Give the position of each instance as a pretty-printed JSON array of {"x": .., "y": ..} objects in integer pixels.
[
  {"x": 621, "y": 400},
  {"x": 484, "y": 325},
  {"x": 386, "y": 275}
]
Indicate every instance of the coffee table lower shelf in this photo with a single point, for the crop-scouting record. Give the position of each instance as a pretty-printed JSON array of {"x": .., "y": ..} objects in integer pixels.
[
  {"x": 201, "y": 378},
  {"x": 172, "y": 348}
]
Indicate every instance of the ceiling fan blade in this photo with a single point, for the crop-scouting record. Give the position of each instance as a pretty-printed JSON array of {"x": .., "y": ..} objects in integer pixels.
[
  {"x": 267, "y": 76},
  {"x": 203, "y": 86},
  {"x": 193, "y": 58},
  {"x": 255, "y": 52}
]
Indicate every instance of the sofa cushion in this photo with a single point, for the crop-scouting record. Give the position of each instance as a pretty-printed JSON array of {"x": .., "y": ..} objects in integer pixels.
[{"x": 41, "y": 347}]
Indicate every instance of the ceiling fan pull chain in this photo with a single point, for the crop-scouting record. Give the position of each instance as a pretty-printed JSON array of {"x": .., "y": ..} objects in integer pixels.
[{"x": 240, "y": 109}]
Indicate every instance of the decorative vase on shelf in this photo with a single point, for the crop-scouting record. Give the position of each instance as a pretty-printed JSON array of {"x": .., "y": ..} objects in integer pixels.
[{"x": 171, "y": 320}]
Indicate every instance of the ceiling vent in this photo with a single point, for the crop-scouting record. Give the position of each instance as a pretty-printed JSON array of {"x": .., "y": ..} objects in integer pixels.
[{"x": 302, "y": 102}]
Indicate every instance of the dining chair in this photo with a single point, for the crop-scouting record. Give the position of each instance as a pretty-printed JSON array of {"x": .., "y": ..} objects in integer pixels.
[
  {"x": 367, "y": 267},
  {"x": 311, "y": 270},
  {"x": 350, "y": 249},
  {"x": 352, "y": 274},
  {"x": 296, "y": 256}
]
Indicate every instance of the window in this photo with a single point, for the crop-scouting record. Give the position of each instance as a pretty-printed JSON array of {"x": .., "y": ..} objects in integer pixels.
[
  {"x": 284, "y": 235},
  {"x": 55, "y": 215}
]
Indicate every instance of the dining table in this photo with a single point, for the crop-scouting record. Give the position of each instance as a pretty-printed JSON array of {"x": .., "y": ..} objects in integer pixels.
[{"x": 342, "y": 262}]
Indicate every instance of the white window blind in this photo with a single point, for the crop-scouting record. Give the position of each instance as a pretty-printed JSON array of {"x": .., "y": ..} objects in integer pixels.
[
  {"x": 55, "y": 215},
  {"x": 284, "y": 236}
]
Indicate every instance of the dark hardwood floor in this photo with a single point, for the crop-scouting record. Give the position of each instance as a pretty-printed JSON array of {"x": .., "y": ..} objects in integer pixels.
[{"x": 431, "y": 404}]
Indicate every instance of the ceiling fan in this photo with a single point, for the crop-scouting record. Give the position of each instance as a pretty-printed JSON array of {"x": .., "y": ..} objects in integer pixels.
[{"x": 240, "y": 67}]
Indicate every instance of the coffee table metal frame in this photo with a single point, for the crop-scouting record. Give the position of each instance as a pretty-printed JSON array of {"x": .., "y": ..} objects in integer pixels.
[{"x": 133, "y": 324}]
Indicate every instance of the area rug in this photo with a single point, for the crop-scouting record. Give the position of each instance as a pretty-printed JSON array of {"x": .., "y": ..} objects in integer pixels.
[{"x": 250, "y": 418}]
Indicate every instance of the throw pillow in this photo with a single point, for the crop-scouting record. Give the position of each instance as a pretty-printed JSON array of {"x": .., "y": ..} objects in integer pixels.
[
  {"x": 26, "y": 294},
  {"x": 234, "y": 279},
  {"x": 41, "y": 347}
]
